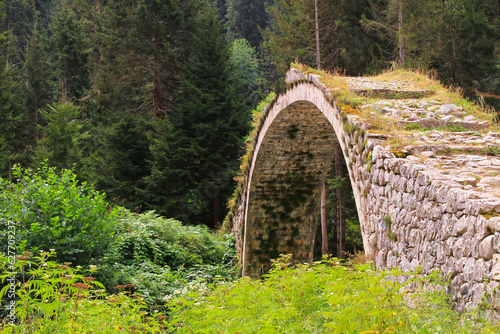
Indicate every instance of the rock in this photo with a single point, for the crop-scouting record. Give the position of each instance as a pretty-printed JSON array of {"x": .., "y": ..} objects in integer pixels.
[
  {"x": 495, "y": 269},
  {"x": 486, "y": 249},
  {"x": 448, "y": 118},
  {"x": 387, "y": 110},
  {"x": 493, "y": 224},
  {"x": 469, "y": 118},
  {"x": 428, "y": 154}
]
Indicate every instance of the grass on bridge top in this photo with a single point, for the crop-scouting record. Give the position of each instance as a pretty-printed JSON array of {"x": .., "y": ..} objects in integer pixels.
[{"x": 397, "y": 80}]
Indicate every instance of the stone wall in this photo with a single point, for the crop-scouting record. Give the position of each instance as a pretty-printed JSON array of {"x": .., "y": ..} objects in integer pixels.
[{"x": 413, "y": 211}]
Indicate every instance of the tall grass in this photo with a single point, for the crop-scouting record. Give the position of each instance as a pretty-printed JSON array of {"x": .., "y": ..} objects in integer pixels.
[{"x": 325, "y": 297}]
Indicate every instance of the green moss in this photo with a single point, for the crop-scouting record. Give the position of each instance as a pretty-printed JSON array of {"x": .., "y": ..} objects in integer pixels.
[{"x": 292, "y": 132}]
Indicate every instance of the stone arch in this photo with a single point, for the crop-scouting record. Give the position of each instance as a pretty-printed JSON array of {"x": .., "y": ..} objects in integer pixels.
[
  {"x": 290, "y": 162},
  {"x": 413, "y": 212}
]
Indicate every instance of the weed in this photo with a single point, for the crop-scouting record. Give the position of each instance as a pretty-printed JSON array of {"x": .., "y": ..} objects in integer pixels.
[
  {"x": 56, "y": 298},
  {"x": 412, "y": 126},
  {"x": 493, "y": 150},
  {"x": 323, "y": 297}
]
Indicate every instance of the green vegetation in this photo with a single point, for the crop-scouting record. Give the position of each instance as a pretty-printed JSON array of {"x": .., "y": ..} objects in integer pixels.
[
  {"x": 160, "y": 255},
  {"x": 157, "y": 274},
  {"x": 44, "y": 210},
  {"x": 492, "y": 150},
  {"x": 325, "y": 297},
  {"x": 149, "y": 102},
  {"x": 51, "y": 211},
  {"x": 57, "y": 298}
]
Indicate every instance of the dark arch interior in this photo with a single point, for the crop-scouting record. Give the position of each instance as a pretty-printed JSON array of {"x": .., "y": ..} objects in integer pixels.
[{"x": 289, "y": 173}]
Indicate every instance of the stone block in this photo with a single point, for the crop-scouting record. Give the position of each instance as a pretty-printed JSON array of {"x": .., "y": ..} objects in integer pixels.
[
  {"x": 495, "y": 268},
  {"x": 486, "y": 249}
]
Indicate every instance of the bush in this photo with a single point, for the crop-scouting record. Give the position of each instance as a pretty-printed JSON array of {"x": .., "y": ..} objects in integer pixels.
[
  {"x": 325, "y": 297},
  {"x": 44, "y": 210},
  {"x": 54, "y": 298},
  {"x": 165, "y": 242},
  {"x": 160, "y": 255}
]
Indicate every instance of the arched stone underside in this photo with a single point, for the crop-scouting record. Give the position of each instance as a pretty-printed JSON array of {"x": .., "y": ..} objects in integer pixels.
[
  {"x": 291, "y": 160},
  {"x": 411, "y": 215}
]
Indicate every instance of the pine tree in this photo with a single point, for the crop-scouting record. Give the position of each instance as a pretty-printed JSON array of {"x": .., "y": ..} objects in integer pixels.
[
  {"x": 206, "y": 132},
  {"x": 62, "y": 135},
  {"x": 71, "y": 56},
  {"x": 245, "y": 18}
]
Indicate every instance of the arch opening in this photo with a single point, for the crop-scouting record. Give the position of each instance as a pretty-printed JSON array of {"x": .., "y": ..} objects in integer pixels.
[
  {"x": 344, "y": 238},
  {"x": 283, "y": 194}
]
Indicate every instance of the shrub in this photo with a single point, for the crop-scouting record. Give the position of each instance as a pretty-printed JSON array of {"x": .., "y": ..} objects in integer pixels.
[
  {"x": 165, "y": 242},
  {"x": 325, "y": 297},
  {"x": 54, "y": 298},
  {"x": 160, "y": 255},
  {"x": 54, "y": 211}
]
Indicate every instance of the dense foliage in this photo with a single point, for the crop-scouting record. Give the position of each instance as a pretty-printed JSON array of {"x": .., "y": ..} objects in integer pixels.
[
  {"x": 55, "y": 298},
  {"x": 45, "y": 211},
  {"x": 51, "y": 211},
  {"x": 325, "y": 297},
  {"x": 160, "y": 255},
  {"x": 149, "y": 101}
]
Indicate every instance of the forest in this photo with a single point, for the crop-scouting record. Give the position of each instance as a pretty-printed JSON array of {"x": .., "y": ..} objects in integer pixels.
[
  {"x": 123, "y": 122},
  {"x": 150, "y": 100}
]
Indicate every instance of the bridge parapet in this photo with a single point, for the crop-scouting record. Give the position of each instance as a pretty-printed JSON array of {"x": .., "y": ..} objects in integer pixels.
[{"x": 428, "y": 199}]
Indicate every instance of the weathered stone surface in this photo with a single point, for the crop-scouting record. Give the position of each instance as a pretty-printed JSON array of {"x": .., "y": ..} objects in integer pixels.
[
  {"x": 495, "y": 269},
  {"x": 486, "y": 249}
]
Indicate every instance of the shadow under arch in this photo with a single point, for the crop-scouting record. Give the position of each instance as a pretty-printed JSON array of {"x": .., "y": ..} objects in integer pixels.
[{"x": 289, "y": 165}]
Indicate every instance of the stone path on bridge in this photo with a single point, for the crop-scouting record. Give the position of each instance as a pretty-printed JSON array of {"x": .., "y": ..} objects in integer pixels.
[{"x": 470, "y": 157}]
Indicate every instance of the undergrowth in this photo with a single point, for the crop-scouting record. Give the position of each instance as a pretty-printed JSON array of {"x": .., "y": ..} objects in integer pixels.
[{"x": 324, "y": 297}]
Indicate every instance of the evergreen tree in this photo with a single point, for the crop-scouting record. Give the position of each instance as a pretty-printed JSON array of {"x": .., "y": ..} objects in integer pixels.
[
  {"x": 291, "y": 36},
  {"x": 206, "y": 133},
  {"x": 245, "y": 18},
  {"x": 71, "y": 56},
  {"x": 36, "y": 71},
  {"x": 138, "y": 48},
  {"x": 246, "y": 68},
  {"x": 18, "y": 18},
  {"x": 60, "y": 145},
  {"x": 12, "y": 145}
]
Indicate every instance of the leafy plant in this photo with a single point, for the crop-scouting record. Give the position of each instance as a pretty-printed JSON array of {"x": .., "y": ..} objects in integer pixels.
[
  {"x": 160, "y": 255},
  {"x": 323, "y": 297},
  {"x": 55, "y": 211},
  {"x": 493, "y": 150},
  {"x": 55, "y": 298}
]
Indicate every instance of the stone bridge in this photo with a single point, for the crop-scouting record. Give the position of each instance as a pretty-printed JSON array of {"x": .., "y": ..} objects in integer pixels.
[{"x": 432, "y": 202}]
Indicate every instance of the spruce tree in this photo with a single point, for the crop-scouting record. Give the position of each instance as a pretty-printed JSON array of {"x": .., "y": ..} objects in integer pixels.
[
  {"x": 206, "y": 133},
  {"x": 62, "y": 135},
  {"x": 245, "y": 18},
  {"x": 71, "y": 55},
  {"x": 12, "y": 143}
]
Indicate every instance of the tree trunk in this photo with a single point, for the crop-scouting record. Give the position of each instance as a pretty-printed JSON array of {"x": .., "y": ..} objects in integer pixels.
[
  {"x": 324, "y": 232},
  {"x": 340, "y": 205},
  {"x": 157, "y": 113},
  {"x": 216, "y": 209},
  {"x": 400, "y": 32},
  {"x": 316, "y": 15}
]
